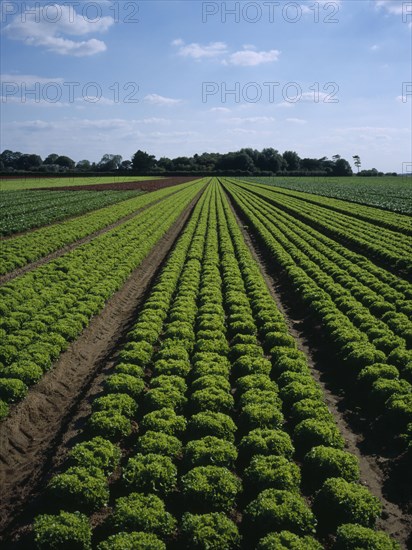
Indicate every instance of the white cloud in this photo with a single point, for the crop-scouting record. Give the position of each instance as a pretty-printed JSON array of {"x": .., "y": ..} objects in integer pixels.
[
  {"x": 155, "y": 99},
  {"x": 251, "y": 120},
  {"x": 199, "y": 51},
  {"x": 373, "y": 133},
  {"x": 309, "y": 7},
  {"x": 46, "y": 26},
  {"x": 316, "y": 97},
  {"x": 251, "y": 58},
  {"x": 403, "y": 99},
  {"x": 394, "y": 7},
  {"x": 297, "y": 120},
  {"x": 220, "y": 110},
  {"x": 375, "y": 48},
  {"x": 285, "y": 105}
]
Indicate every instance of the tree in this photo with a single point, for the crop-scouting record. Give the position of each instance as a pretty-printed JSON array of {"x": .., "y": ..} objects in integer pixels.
[
  {"x": 28, "y": 162},
  {"x": 357, "y": 160},
  {"x": 83, "y": 165},
  {"x": 342, "y": 168},
  {"x": 143, "y": 162},
  {"x": 10, "y": 158},
  {"x": 292, "y": 160},
  {"x": 108, "y": 162},
  {"x": 51, "y": 159},
  {"x": 270, "y": 160},
  {"x": 126, "y": 165},
  {"x": 65, "y": 162}
]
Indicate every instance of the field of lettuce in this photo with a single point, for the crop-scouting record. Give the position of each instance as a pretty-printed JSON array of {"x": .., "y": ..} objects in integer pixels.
[{"x": 220, "y": 364}]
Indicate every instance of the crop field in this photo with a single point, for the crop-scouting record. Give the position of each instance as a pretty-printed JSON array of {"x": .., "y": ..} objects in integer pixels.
[
  {"x": 387, "y": 192},
  {"x": 217, "y": 364}
]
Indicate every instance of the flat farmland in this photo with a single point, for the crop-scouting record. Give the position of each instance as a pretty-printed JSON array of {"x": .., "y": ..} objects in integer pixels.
[
  {"x": 9, "y": 184},
  {"x": 219, "y": 363}
]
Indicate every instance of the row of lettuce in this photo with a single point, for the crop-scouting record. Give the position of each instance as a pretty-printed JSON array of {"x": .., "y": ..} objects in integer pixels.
[
  {"x": 21, "y": 250},
  {"x": 382, "y": 218},
  {"x": 47, "y": 308},
  {"x": 391, "y": 194},
  {"x": 363, "y": 310},
  {"x": 393, "y": 249},
  {"x": 23, "y": 210},
  {"x": 210, "y": 433}
]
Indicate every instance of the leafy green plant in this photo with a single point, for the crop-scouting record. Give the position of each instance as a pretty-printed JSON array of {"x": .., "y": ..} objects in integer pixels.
[
  {"x": 321, "y": 463},
  {"x": 266, "y": 442},
  {"x": 146, "y": 513},
  {"x": 120, "y": 402},
  {"x": 212, "y": 423},
  {"x": 214, "y": 531},
  {"x": 169, "y": 381},
  {"x": 164, "y": 420},
  {"x": 151, "y": 473},
  {"x": 12, "y": 389},
  {"x": 275, "y": 472},
  {"x": 278, "y": 510},
  {"x": 164, "y": 397},
  {"x": 160, "y": 443},
  {"x": 80, "y": 488},
  {"x": 177, "y": 367},
  {"x": 4, "y": 409},
  {"x": 132, "y": 541},
  {"x": 309, "y": 408},
  {"x": 351, "y": 536},
  {"x": 210, "y": 488},
  {"x": 285, "y": 540},
  {"x": 263, "y": 415},
  {"x": 129, "y": 368},
  {"x": 109, "y": 424},
  {"x": 211, "y": 380},
  {"x": 26, "y": 371},
  {"x": 256, "y": 382},
  {"x": 125, "y": 383},
  {"x": 312, "y": 433},
  {"x": 65, "y": 531},
  {"x": 262, "y": 397},
  {"x": 96, "y": 453},
  {"x": 212, "y": 399},
  {"x": 339, "y": 501},
  {"x": 251, "y": 364},
  {"x": 210, "y": 450},
  {"x": 296, "y": 391}
]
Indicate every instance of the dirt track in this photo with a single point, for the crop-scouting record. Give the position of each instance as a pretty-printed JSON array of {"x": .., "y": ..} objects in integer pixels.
[
  {"x": 31, "y": 436},
  {"x": 146, "y": 185}
]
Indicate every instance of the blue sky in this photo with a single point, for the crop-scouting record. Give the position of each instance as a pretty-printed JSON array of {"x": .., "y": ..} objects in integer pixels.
[{"x": 85, "y": 78}]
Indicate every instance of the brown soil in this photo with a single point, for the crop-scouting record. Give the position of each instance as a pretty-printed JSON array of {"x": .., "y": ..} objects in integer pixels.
[
  {"x": 61, "y": 251},
  {"x": 34, "y": 438},
  {"x": 395, "y": 520},
  {"x": 146, "y": 185}
]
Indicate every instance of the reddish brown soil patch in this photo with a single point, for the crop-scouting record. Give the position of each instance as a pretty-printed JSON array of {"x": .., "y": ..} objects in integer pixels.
[
  {"x": 31, "y": 438},
  {"x": 146, "y": 185}
]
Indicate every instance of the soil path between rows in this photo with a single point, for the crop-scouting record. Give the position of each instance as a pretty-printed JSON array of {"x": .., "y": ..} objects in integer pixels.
[
  {"x": 69, "y": 247},
  {"x": 394, "y": 520},
  {"x": 30, "y": 437}
]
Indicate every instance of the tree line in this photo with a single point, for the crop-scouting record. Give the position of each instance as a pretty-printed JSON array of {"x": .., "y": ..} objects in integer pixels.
[{"x": 247, "y": 161}]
